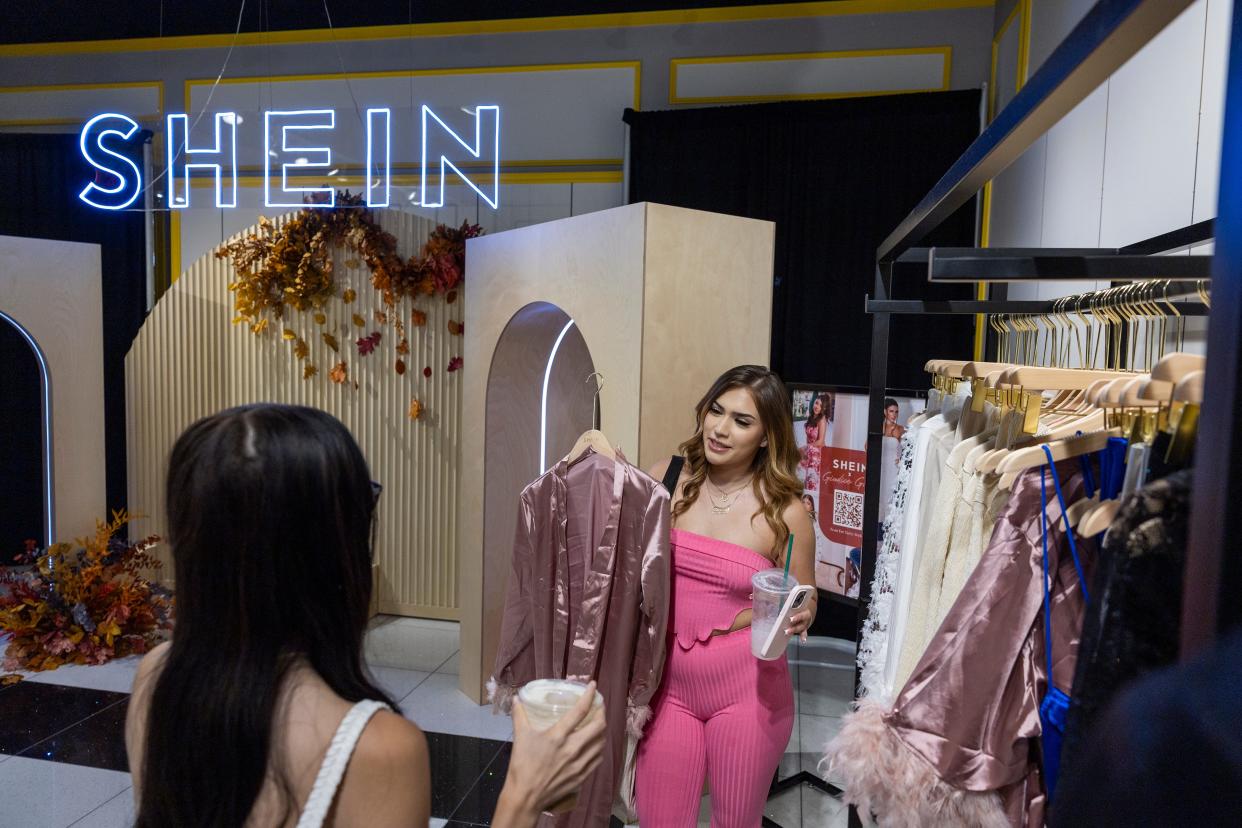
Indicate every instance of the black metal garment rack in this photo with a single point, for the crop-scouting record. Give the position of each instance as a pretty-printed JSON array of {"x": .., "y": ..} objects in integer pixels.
[{"x": 1111, "y": 33}]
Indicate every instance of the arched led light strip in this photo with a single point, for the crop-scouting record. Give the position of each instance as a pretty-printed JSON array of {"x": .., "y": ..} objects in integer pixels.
[
  {"x": 45, "y": 382},
  {"x": 543, "y": 410}
]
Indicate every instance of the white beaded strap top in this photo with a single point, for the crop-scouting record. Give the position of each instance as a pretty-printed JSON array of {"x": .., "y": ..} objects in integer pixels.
[{"x": 335, "y": 761}]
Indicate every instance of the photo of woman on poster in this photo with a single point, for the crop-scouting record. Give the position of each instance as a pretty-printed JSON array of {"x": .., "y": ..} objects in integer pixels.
[
  {"x": 819, "y": 419},
  {"x": 815, "y": 429},
  {"x": 891, "y": 427},
  {"x": 831, "y": 430}
]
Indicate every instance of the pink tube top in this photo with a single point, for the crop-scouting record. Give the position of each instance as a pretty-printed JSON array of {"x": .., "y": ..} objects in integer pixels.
[{"x": 711, "y": 585}]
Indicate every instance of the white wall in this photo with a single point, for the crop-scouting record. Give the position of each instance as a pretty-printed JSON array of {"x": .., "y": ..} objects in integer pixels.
[{"x": 1138, "y": 157}]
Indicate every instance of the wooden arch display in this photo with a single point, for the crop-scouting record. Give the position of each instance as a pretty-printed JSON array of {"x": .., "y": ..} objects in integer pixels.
[{"x": 665, "y": 299}]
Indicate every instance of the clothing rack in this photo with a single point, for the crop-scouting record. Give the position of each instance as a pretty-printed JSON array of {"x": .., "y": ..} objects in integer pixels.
[{"x": 1109, "y": 34}]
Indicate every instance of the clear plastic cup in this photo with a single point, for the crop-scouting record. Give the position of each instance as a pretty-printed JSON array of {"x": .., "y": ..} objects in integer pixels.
[
  {"x": 770, "y": 588},
  {"x": 545, "y": 702}
]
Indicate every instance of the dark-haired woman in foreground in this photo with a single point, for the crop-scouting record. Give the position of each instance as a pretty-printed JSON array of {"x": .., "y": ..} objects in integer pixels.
[
  {"x": 259, "y": 711},
  {"x": 721, "y": 712}
]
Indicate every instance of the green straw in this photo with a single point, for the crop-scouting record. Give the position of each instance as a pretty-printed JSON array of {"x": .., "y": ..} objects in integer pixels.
[{"x": 788, "y": 558}]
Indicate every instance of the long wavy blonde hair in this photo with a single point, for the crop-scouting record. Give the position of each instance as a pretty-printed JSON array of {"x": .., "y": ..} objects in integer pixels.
[{"x": 775, "y": 480}]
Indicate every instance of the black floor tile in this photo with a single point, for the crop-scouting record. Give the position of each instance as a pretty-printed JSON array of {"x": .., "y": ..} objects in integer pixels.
[
  {"x": 97, "y": 742},
  {"x": 479, "y": 804},
  {"x": 32, "y": 711},
  {"x": 457, "y": 763}
]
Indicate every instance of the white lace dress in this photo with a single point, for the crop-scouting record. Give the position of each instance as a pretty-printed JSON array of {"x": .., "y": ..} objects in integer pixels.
[{"x": 873, "y": 646}]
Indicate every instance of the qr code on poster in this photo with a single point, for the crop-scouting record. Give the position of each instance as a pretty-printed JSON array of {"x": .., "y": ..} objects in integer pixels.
[{"x": 847, "y": 509}]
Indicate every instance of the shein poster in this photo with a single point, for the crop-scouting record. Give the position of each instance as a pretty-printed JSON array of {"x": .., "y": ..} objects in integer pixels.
[{"x": 831, "y": 429}]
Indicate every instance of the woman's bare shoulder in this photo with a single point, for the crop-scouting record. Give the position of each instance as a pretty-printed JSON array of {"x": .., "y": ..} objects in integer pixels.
[
  {"x": 796, "y": 517},
  {"x": 660, "y": 469},
  {"x": 391, "y": 737},
  {"x": 388, "y": 779}
]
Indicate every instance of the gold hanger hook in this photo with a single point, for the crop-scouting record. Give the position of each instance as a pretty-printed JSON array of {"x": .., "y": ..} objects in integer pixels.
[{"x": 1204, "y": 295}]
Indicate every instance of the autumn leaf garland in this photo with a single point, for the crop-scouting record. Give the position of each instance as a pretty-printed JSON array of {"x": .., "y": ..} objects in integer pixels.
[{"x": 291, "y": 268}]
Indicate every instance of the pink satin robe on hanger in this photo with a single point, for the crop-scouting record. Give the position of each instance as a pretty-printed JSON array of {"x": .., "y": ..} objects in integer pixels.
[{"x": 588, "y": 600}]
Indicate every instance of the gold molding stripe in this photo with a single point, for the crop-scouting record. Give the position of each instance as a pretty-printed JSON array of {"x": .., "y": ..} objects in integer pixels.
[
  {"x": 636, "y": 65},
  {"x": 174, "y": 246},
  {"x": 733, "y": 14},
  {"x": 583, "y": 177},
  {"x": 996, "y": 39},
  {"x": 1024, "y": 44},
  {"x": 945, "y": 51},
  {"x": 985, "y": 209},
  {"x": 475, "y": 165},
  {"x": 76, "y": 87}
]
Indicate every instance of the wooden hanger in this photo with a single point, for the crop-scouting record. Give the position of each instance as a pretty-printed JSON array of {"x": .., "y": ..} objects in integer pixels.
[
  {"x": 1189, "y": 388},
  {"x": 1168, "y": 371},
  {"x": 1036, "y": 378},
  {"x": 1080, "y": 508},
  {"x": 1099, "y": 518},
  {"x": 1131, "y": 393},
  {"x": 950, "y": 368},
  {"x": 973, "y": 370},
  {"x": 591, "y": 439},
  {"x": 1032, "y": 457}
]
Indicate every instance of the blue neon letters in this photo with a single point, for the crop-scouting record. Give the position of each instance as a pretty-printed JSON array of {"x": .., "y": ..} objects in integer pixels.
[
  {"x": 374, "y": 156},
  {"x": 97, "y": 132},
  {"x": 182, "y": 158},
  {"x": 486, "y": 147},
  {"x": 443, "y": 150}
]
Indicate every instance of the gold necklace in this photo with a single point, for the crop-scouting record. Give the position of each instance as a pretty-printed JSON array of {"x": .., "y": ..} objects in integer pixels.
[{"x": 725, "y": 504}]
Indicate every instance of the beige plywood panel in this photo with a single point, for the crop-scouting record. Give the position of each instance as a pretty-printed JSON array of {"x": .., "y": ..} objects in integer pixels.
[
  {"x": 52, "y": 290},
  {"x": 707, "y": 306},
  {"x": 591, "y": 267},
  {"x": 189, "y": 361}
]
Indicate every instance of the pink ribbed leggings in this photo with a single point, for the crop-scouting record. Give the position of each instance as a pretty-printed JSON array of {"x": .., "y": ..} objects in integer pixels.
[{"x": 722, "y": 713}]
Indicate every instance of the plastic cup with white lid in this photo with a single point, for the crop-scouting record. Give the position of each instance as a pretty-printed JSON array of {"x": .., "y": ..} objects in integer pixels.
[
  {"x": 546, "y": 701},
  {"x": 770, "y": 588}
]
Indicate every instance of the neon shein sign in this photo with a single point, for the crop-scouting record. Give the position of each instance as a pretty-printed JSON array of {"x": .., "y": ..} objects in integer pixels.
[{"x": 441, "y": 150}]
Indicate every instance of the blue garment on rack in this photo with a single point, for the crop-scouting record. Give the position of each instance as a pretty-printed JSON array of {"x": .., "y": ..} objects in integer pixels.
[
  {"x": 1054, "y": 708},
  {"x": 1113, "y": 467}
]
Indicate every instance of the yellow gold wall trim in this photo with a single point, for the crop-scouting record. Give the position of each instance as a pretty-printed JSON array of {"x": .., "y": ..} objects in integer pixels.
[
  {"x": 583, "y": 177},
  {"x": 636, "y": 65},
  {"x": 996, "y": 39},
  {"x": 158, "y": 86},
  {"x": 735, "y": 14},
  {"x": 1024, "y": 39},
  {"x": 677, "y": 63}
]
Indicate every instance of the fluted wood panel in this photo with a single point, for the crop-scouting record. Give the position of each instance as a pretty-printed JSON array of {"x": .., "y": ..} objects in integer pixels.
[{"x": 189, "y": 361}]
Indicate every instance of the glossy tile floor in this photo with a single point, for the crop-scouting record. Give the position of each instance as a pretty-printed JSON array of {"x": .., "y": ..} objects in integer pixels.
[{"x": 62, "y": 752}]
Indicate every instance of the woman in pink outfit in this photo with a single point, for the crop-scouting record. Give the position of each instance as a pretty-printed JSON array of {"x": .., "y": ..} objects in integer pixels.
[{"x": 721, "y": 713}]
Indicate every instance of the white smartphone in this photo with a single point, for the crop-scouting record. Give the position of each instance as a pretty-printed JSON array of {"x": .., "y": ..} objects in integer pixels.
[{"x": 777, "y": 639}]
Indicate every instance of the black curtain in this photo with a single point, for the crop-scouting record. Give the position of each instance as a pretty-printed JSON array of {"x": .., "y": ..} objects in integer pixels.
[
  {"x": 44, "y": 174},
  {"x": 836, "y": 176},
  {"x": 21, "y": 444}
]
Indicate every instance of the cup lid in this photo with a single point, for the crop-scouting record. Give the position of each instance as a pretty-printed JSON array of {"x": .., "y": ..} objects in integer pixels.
[
  {"x": 773, "y": 580},
  {"x": 557, "y": 695}
]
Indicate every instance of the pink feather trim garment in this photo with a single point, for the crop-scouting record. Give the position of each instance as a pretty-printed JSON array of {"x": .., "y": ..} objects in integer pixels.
[{"x": 960, "y": 746}]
